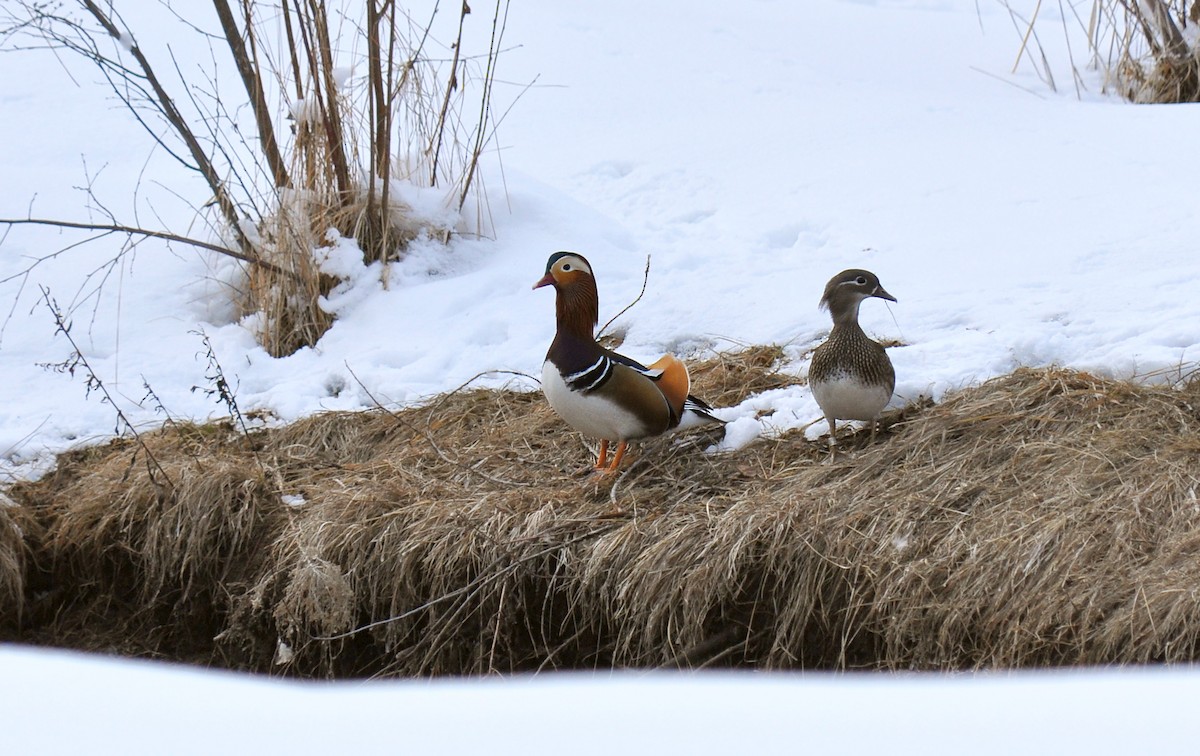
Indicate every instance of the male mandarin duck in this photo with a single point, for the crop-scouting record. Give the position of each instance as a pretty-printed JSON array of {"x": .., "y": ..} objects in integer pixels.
[
  {"x": 851, "y": 376},
  {"x": 601, "y": 393}
]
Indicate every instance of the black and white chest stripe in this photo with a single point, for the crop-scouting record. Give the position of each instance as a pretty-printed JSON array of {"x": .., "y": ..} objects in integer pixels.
[
  {"x": 592, "y": 377},
  {"x": 597, "y": 374}
]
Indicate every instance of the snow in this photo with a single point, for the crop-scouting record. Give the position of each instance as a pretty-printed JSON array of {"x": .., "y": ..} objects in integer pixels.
[
  {"x": 104, "y": 706},
  {"x": 751, "y": 150}
]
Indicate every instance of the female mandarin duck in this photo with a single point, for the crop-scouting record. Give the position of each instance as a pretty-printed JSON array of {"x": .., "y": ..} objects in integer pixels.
[
  {"x": 601, "y": 393},
  {"x": 851, "y": 376}
]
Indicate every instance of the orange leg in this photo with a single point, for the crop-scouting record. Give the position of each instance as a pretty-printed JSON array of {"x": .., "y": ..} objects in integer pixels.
[
  {"x": 621, "y": 447},
  {"x": 603, "y": 454}
]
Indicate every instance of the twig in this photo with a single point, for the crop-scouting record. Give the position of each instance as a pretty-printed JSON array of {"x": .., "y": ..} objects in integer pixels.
[
  {"x": 94, "y": 383},
  {"x": 117, "y": 228},
  {"x": 638, "y": 298},
  {"x": 258, "y": 101},
  {"x": 429, "y": 439},
  {"x": 485, "y": 100},
  {"x": 226, "y": 393},
  {"x": 612, "y": 494},
  {"x": 166, "y": 106},
  {"x": 976, "y": 69},
  {"x": 13, "y": 448},
  {"x": 444, "y": 397},
  {"x": 451, "y": 85},
  {"x": 318, "y": 26}
]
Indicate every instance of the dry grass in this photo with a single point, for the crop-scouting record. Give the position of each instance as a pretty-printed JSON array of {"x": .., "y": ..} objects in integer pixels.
[
  {"x": 1145, "y": 49},
  {"x": 17, "y": 531},
  {"x": 288, "y": 295},
  {"x": 412, "y": 117},
  {"x": 409, "y": 118},
  {"x": 306, "y": 143},
  {"x": 1044, "y": 518}
]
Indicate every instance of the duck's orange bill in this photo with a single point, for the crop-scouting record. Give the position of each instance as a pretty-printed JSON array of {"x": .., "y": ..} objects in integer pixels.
[{"x": 546, "y": 280}]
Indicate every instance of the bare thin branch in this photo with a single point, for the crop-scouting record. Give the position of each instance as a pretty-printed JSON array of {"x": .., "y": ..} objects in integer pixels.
[
  {"x": 149, "y": 233},
  {"x": 638, "y": 298},
  {"x": 94, "y": 383},
  {"x": 166, "y": 107},
  {"x": 248, "y": 70}
]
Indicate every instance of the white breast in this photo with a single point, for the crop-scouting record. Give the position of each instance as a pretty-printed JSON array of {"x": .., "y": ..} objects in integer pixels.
[
  {"x": 843, "y": 397},
  {"x": 590, "y": 414}
]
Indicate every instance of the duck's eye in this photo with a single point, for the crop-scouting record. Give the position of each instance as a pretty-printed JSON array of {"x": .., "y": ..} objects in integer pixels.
[
  {"x": 566, "y": 267},
  {"x": 861, "y": 281}
]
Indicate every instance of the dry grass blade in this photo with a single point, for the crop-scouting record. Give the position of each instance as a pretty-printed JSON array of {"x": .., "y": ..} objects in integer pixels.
[{"x": 17, "y": 534}]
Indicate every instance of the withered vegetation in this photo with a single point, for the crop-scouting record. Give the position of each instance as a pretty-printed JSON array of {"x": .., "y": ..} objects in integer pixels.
[{"x": 1045, "y": 518}]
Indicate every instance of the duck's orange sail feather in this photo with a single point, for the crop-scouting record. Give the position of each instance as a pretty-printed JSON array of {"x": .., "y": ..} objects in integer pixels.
[{"x": 674, "y": 382}]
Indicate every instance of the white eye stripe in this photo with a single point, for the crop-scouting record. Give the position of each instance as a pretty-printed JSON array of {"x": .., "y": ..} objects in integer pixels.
[{"x": 574, "y": 264}]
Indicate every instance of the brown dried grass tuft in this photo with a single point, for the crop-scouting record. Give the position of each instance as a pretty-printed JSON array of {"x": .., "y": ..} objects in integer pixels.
[
  {"x": 17, "y": 532},
  {"x": 287, "y": 296},
  {"x": 1044, "y": 518},
  {"x": 1145, "y": 49},
  {"x": 125, "y": 553},
  {"x": 1158, "y": 61}
]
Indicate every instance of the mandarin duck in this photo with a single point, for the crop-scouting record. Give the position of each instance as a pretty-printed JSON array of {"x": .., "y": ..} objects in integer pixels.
[
  {"x": 851, "y": 376},
  {"x": 598, "y": 392}
]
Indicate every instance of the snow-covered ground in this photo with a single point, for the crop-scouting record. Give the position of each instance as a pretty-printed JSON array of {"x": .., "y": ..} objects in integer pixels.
[
  {"x": 58, "y": 703},
  {"x": 753, "y": 150}
]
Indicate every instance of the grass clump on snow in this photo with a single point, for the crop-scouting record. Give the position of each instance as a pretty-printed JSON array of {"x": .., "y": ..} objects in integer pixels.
[
  {"x": 1147, "y": 50},
  {"x": 1045, "y": 518},
  {"x": 1154, "y": 52}
]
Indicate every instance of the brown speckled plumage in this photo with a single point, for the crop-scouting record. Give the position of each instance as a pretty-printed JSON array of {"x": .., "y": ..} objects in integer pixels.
[
  {"x": 851, "y": 375},
  {"x": 850, "y": 352}
]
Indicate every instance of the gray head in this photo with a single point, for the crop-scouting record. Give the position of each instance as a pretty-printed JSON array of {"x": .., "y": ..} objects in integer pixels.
[{"x": 846, "y": 291}]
